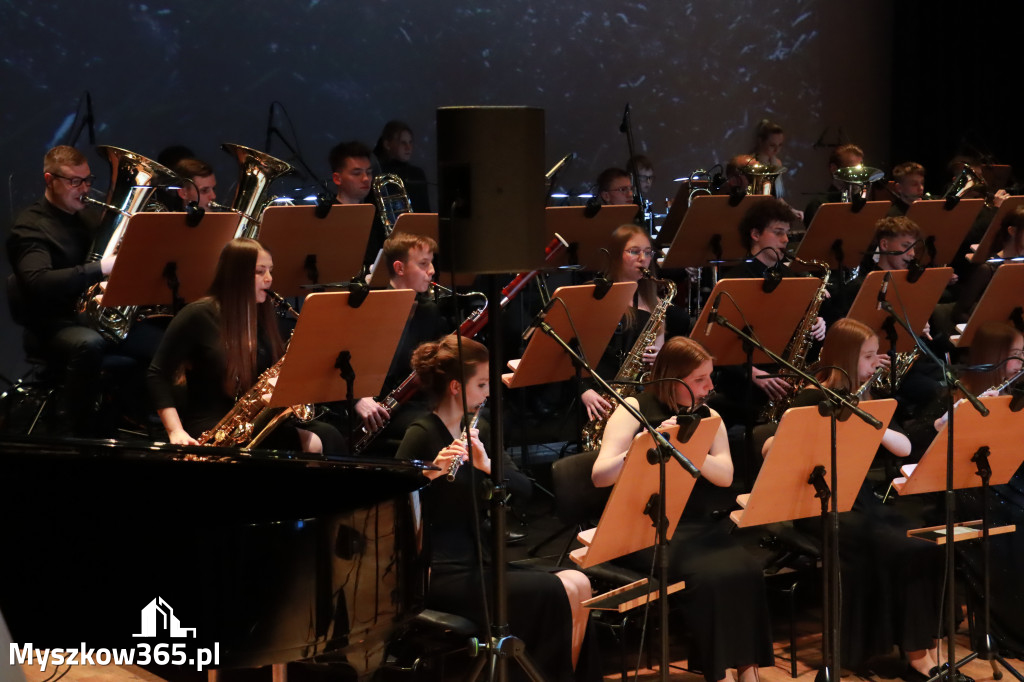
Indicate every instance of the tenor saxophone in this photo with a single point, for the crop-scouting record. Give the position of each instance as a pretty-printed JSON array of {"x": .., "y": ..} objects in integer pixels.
[{"x": 632, "y": 368}]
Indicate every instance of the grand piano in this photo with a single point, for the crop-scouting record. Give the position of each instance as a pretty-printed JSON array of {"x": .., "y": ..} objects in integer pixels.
[{"x": 272, "y": 557}]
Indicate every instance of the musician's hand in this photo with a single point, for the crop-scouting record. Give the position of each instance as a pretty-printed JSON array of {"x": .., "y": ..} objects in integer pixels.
[
  {"x": 650, "y": 354},
  {"x": 818, "y": 329},
  {"x": 106, "y": 265},
  {"x": 884, "y": 360},
  {"x": 480, "y": 459},
  {"x": 776, "y": 388},
  {"x": 373, "y": 414},
  {"x": 597, "y": 407},
  {"x": 998, "y": 197},
  {"x": 671, "y": 421},
  {"x": 181, "y": 437},
  {"x": 926, "y": 333},
  {"x": 445, "y": 458}
]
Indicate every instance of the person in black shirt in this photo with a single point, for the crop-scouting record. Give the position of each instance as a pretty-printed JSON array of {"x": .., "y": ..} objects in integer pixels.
[
  {"x": 352, "y": 172},
  {"x": 393, "y": 151},
  {"x": 47, "y": 248}
]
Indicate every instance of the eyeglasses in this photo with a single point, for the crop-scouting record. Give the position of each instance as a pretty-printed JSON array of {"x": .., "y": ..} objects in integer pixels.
[
  {"x": 76, "y": 182},
  {"x": 636, "y": 252},
  {"x": 646, "y": 178},
  {"x": 628, "y": 189}
]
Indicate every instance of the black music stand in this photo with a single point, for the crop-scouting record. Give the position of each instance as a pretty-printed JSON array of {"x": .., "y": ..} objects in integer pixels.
[
  {"x": 311, "y": 250},
  {"x": 986, "y": 452},
  {"x": 163, "y": 260},
  {"x": 591, "y": 327},
  {"x": 586, "y": 234},
  {"x": 1003, "y": 300},
  {"x": 331, "y": 355},
  {"x": 944, "y": 225},
  {"x": 840, "y": 233},
  {"x": 792, "y": 485}
]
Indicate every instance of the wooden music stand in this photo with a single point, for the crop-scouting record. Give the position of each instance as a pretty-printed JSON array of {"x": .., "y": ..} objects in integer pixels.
[
  {"x": 914, "y": 300},
  {"x": 586, "y": 236},
  {"x": 987, "y": 247},
  {"x": 331, "y": 248},
  {"x": 1001, "y": 432},
  {"x": 544, "y": 361},
  {"x": 942, "y": 229},
  {"x": 839, "y": 236},
  {"x": 327, "y": 328},
  {"x": 782, "y": 491},
  {"x": 1003, "y": 301},
  {"x": 158, "y": 249},
  {"x": 424, "y": 225},
  {"x": 709, "y": 232},
  {"x": 676, "y": 213},
  {"x": 773, "y": 316},
  {"x": 624, "y": 527}
]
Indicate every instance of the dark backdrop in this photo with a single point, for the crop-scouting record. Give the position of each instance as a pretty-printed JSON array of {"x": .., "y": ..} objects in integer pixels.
[{"x": 698, "y": 76}]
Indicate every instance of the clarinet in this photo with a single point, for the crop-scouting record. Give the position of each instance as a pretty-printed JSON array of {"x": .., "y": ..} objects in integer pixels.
[
  {"x": 453, "y": 468},
  {"x": 469, "y": 328}
]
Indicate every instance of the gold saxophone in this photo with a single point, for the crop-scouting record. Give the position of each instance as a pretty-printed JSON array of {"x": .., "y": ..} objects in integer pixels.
[
  {"x": 632, "y": 368},
  {"x": 799, "y": 345},
  {"x": 251, "y": 420}
]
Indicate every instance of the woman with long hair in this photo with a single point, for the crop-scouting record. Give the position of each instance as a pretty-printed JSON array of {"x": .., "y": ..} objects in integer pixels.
[
  {"x": 725, "y": 607},
  {"x": 545, "y": 609},
  {"x": 220, "y": 345},
  {"x": 631, "y": 255},
  {"x": 891, "y": 584}
]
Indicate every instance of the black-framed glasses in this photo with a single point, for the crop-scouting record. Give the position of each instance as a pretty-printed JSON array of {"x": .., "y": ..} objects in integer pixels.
[
  {"x": 626, "y": 190},
  {"x": 636, "y": 252},
  {"x": 76, "y": 181}
]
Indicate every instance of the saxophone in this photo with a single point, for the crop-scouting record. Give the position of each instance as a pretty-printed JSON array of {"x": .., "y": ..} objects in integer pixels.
[
  {"x": 632, "y": 368},
  {"x": 799, "y": 345}
]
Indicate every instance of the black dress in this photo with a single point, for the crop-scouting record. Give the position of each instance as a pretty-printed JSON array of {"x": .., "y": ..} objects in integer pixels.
[
  {"x": 538, "y": 607},
  {"x": 891, "y": 584},
  {"x": 724, "y": 604}
]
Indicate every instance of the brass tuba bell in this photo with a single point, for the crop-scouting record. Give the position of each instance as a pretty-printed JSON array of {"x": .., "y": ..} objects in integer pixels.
[
  {"x": 857, "y": 181},
  {"x": 256, "y": 172},
  {"x": 966, "y": 181},
  {"x": 761, "y": 177}
]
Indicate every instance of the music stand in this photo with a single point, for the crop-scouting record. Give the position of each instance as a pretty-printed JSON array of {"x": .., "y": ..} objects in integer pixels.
[
  {"x": 163, "y": 260},
  {"x": 1003, "y": 300},
  {"x": 839, "y": 233},
  {"x": 709, "y": 231},
  {"x": 592, "y": 324},
  {"x": 987, "y": 247},
  {"x": 310, "y": 250},
  {"x": 914, "y": 300},
  {"x": 424, "y": 225},
  {"x": 586, "y": 236},
  {"x": 624, "y": 527},
  {"x": 772, "y": 316},
  {"x": 332, "y": 357},
  {"x": 943, "y": 229}
]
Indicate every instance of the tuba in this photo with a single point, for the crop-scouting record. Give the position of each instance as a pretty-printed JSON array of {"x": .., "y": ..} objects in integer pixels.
[
  {"x": 134, "y": 180},
  {"x": 632, "y": 368},
  {"x": 857, "y": 181},
  {"x": 391, "y": 199},
  {"x": 965, "y": 182},
  {"x": 761, "y": 178},
  {"x": 256, "y": 172}
]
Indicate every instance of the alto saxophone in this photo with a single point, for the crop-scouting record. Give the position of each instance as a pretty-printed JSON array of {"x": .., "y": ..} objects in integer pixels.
[
  {"x": 632, "y": 368},
  {"x": 799, "y": 345}
]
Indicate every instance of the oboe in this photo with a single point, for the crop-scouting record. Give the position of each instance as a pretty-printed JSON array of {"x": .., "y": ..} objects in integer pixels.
[{"x": 453, "y": 468}]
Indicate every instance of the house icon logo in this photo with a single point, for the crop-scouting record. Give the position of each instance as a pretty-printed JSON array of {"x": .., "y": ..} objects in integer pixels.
[{"x": 158, "y": 619}]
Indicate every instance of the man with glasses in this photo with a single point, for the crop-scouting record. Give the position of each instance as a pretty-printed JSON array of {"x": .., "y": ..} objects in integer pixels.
[
  {"x": 47, "y": 249},
  {"x": 614, "y": 187}
]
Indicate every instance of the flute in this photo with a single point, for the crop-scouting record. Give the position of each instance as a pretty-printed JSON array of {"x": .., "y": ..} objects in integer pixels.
[{"x": 453, "y": 468}]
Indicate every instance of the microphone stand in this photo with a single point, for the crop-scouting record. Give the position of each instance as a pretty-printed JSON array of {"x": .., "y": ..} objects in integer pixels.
[
  {"x": 663, "y": 451},
  {"x": 627, "y": 127},
  {"x": 952, "y": 383},
  {"x": 837, "y": 407}
]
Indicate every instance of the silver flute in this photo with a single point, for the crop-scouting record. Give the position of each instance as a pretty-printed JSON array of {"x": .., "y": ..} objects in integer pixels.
[{"x": 453, "y": 468}]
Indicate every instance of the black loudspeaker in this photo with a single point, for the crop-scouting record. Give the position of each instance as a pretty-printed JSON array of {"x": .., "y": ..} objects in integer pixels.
[{"x": 490, "y": 169}]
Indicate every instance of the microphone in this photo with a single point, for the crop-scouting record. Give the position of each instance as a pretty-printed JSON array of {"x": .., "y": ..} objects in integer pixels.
[
  {"x": 624, "y": 126},
  {"x": 885, "y": 288},
  {"x": 538, "y": 319},
  {"x": 89, "y": 120},
  {"x": 713, "y": 314},
  {"x": 571, "y": 156},
  {"x": 270, "y": 126}
]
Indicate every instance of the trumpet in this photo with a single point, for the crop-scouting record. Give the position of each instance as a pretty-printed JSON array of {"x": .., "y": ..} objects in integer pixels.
[{"x": 453, "y": 468}]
